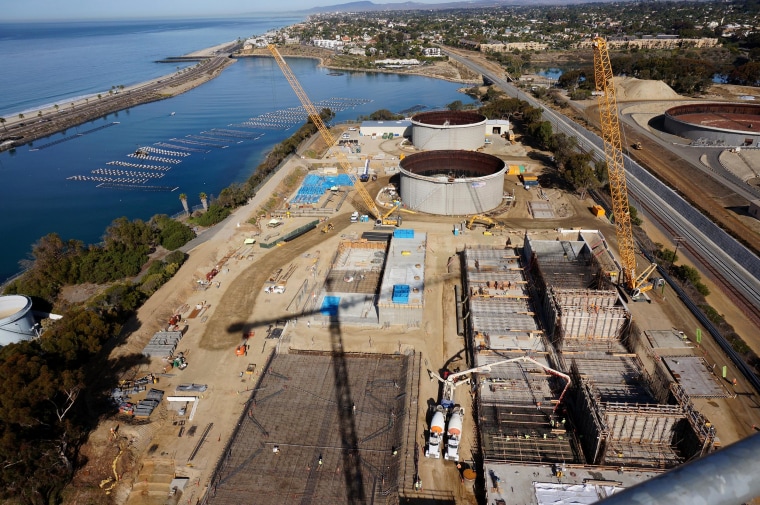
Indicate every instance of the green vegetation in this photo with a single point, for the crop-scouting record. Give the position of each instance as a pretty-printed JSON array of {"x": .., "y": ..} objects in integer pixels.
[{"x": 43, "y": 420}]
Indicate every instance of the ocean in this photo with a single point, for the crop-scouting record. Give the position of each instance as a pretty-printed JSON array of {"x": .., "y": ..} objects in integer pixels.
[{"x": 40, "y": 194}]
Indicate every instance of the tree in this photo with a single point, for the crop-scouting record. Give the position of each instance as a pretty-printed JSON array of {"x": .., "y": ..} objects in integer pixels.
[
  {"x": 55, "y": 106},
  {"x": 39, "y": 113},
  {"x": 204, "y": 200},
  {"x": 2, "y": 122},
  {"x": 542, "y": 132},
  {"x": 455, "y": 105},
  {"x": 21, "y": 115},
  {"x": 183, "y": 199},
  {"x": 384, "y": 115}
]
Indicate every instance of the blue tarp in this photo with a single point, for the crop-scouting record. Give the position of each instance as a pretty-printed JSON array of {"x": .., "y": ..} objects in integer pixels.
[
  {"x": 314, "y": 186},
  {"x": 403, "y": 233}
]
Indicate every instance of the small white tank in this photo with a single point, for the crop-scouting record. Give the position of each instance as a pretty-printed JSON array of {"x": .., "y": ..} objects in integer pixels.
[
  {"x": 455, "y": 423},
  {"x": 438, "y": 422}
]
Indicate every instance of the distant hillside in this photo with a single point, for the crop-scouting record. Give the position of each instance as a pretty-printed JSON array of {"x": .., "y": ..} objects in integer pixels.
[{"x": 367, "y": 6}]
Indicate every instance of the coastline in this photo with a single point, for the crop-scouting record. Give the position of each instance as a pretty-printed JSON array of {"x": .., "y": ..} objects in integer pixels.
[
  {"x": 50, "y": 120},
  {"x": 321, "y": 54}
]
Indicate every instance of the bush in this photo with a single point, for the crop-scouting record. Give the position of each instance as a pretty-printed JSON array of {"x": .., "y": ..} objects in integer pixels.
[
  {"x": 215, "y": 214},
  {"x": 174, "y": 234}
]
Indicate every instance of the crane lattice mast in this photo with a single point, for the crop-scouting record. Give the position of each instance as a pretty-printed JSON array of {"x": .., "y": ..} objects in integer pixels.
[
  {"x": 314, "y": 115},
  {"x": 610, "y": 126}
]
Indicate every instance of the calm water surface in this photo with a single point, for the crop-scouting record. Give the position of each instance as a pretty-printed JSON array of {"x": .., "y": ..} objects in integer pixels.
[{"x": 38, "y": 198}]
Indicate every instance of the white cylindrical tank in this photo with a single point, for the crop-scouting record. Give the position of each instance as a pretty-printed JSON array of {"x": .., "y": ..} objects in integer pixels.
[
  {"x": 452, "y": 183},
  {"x": 455, "y": 423},
  {"x": 16, "y": 319},
  {"x": 447, "y": 129},
  {"x": 438, "y": 422}
]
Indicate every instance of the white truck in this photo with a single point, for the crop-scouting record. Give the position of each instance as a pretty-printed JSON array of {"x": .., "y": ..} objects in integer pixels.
[
  {"x": 435, "y": 439},
  {"x": 454, "y": 434}
]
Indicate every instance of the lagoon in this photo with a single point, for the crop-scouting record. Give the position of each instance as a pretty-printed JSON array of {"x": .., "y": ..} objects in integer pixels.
[{"x": 39, "y": 199}]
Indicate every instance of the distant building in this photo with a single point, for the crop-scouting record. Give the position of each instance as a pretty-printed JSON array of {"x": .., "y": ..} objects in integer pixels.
[
  {"x": 658, "y": 42},
  {"x": 328, "y": 43},
  {"x": 397, "y": 62},
  {"x": 432, "y": 51},
  {"x": 512, "y": 46}
]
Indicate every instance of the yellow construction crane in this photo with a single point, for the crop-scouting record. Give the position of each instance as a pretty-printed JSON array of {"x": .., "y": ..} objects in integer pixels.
[
  {"x": 610, "y": 125},
  {"x": 345, "y": 166}
]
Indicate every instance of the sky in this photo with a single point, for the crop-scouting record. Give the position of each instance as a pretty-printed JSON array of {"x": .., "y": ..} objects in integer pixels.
[{"x": 44, "y": 10}]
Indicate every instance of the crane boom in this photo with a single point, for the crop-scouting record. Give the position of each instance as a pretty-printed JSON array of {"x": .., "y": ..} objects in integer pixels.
[
  {"x": 314, "y": 115},
  {"x": 450, "y": 383},
  {"x": 610, "y": 126}
]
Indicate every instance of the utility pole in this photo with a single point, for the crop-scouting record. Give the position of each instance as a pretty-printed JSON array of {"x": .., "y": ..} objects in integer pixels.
[{"x": 678, "y": 239}]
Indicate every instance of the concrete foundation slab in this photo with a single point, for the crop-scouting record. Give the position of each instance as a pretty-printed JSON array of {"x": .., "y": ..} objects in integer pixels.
[{"x": 695, "y": 376}]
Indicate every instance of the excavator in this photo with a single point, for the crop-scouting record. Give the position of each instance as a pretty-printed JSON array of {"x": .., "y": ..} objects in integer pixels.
[
  {"x": 481, "y": 219},
  {"x": 343, "y": 163},
  {"x": 634, "y": 283}
]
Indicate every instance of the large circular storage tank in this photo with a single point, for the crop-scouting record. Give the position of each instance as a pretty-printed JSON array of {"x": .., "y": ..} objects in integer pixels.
[
  {"x": 447, "y": 129},
  {"x": 16, "y": 319},
  {"x": 452, "y": 183},
  {"x": 725, "y": 124}
]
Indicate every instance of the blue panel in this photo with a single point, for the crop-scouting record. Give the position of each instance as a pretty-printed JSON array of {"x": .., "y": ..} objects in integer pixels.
[
  {"x": 400, "y": 293},
  {"x": 403, "y": 233},
  {"x": 330, "y": 306}
]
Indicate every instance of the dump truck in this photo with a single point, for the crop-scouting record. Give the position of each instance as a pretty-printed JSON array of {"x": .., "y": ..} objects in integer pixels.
[
  {"x": 454, "y": 434},
  {"x": 435, "y": 438}
]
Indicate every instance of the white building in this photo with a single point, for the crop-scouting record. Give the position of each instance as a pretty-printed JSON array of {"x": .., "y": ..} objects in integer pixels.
[{"x": 327, "y": 43}]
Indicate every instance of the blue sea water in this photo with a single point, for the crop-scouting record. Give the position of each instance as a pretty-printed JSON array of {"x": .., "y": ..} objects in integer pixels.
[{"x": 39, "y": 199}]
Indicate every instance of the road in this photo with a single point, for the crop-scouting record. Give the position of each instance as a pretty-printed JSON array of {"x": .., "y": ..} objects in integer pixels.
[
  {"x": 737, "y": 268},
  {"x": 18, "y": 131}
]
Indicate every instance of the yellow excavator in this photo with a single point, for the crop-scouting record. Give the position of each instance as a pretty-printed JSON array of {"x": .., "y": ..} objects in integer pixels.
[{"x": 482, "y": 220}]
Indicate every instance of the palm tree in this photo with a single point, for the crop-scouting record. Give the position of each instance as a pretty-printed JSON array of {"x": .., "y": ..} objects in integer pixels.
[
  {"x": 39, "y": 113},
  {"x": 204, "y": 201},
  {"x": 21, "y": 115},
  {"x": 100, "y": 96},
  {"x": 183, "y": 199},
  {"x": 56, "y": 107},
  {"x": 2, "y": 122}
]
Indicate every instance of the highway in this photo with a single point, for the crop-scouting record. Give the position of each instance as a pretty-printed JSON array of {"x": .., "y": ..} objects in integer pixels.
[{"x": 723, "y": 256}]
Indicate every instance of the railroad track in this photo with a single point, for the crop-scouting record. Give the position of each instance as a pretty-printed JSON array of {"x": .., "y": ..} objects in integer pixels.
[{"x": 727, "y": 286}]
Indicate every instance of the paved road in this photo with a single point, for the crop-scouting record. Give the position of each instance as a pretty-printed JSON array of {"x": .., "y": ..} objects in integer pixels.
[{"x": 719, "y": 251}]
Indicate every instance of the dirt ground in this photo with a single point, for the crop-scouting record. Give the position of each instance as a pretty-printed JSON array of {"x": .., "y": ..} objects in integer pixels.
[{"x": 145, "y": 456}]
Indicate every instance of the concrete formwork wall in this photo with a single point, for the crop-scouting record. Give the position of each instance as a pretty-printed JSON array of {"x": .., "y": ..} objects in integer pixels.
[
  {"x": 632, "y": 425},
  {"x": 606, "y": 323},
  {"x": 661, "y": 379},
  {"x": 585, "y": 297}
]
